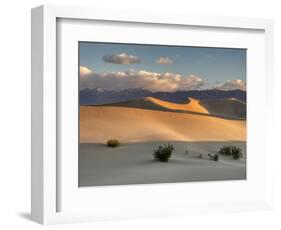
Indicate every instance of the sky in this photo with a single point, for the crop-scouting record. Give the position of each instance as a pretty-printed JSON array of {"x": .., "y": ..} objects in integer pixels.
[{"x": 112, "y": 66}]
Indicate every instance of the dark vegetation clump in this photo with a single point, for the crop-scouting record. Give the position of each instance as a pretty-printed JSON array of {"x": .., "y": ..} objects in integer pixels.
[
  {"x": 231, "y": 150},
  {"x": 237, "y": 153},
  {"x": 112, "y": 143},
  {"x": 163, "y": 153},
  {"x": 226, "y": 150},
  {"x": 214, "y": 157}
]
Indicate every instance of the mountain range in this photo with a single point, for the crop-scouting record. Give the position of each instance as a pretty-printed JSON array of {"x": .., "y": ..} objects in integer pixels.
[{"x": 97, "y": 96}]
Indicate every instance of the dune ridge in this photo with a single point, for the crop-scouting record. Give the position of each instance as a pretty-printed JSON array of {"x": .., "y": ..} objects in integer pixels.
[
  {"x": 227, "y": 108},
  {"x": 192, "y": 105}
]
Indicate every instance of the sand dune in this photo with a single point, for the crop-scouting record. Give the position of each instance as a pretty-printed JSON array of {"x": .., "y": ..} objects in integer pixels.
[
  {"x": 100, "y": 123},
  {"x": 192, "y": 105},
  {"x": 230, "y": 108},
  {"x": 227, "y": 107}
]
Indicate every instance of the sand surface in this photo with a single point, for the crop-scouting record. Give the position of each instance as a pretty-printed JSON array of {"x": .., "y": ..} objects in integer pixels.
[
  {"x": 230, "y": 107},
  {"x": 101, "y": 123},
  {"x": 141, "y": 130},
  {"x": 134, "y": 164}
]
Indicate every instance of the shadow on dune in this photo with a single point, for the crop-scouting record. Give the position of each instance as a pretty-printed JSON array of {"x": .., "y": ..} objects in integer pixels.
[{"x": 230, "y": 108}]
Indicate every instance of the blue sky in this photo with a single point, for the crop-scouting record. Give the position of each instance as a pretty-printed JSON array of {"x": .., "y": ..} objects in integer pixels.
[{"x": 214, "y": 66}]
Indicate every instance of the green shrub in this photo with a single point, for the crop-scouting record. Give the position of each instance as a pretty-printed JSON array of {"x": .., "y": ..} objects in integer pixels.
[
  {"x": 163, "y": 153},
  {"x": 231, "y": 150},
  {"x": 112, "y": 143}
]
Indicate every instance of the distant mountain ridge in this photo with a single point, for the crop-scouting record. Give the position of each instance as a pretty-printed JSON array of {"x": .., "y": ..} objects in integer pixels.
[{"x": 97, "y": 96}]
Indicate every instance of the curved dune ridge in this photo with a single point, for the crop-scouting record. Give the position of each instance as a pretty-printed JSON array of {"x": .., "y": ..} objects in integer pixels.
[
  {"x": 153, "y": 103},
  {"x": 129, "y": 125},
  {"x": 229, "y": 108},
  {"x": 192, "y": 105}
]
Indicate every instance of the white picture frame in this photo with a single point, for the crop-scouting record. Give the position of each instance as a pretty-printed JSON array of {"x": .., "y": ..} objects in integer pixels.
[{"x": 48, "y": 179}]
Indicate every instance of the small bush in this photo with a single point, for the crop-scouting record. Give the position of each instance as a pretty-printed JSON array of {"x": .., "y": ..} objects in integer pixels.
[
  {"x": 214, "y": 157},
  {"x": 231, "y": 150},
  {"x": 225, "y": 150},
  {"x": 112, "y": 143},
  {"x": 237, "y": 153},
  {"x": 163, "y": 153}
]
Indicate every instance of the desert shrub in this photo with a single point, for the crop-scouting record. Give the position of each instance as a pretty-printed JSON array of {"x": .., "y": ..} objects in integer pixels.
[
  {"x": 231, "y": 150},
  {"x": 236, "y": 153},
  {"x": 225, "y": 150},
  {"x": 163, "y": 153},
  {"x": 112, "y": 143},
  {"x": 214, "y": 157}
]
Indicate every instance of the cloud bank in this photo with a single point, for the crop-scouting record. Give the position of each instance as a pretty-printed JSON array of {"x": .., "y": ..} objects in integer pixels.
[
  {"x": 121, "y": 58},
  {"x": 164, "y": 61},
  {"x": 231, "y": 85},
  {"x": 153, "y": 81}
]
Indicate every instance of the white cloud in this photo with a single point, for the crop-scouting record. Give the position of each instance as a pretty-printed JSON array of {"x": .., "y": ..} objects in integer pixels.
[
  {"x": 231, "y": 85},
  {"x": 85, "y": 70},
  {"x": 153, "y": 81},
  {"x": 164, "y": 61},
  {"x": 121, "y": 58}
]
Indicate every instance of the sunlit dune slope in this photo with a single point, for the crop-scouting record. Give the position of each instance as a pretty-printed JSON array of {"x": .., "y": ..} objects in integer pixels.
[
  {"x": 192, "y": 105},
  {"x": 100, "y": 123},
  {"x": 225, "y": 107},
  {"x": 230, "y": 108}
]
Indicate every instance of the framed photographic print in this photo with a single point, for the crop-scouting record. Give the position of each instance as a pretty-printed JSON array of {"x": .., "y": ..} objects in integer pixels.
[
  {"x": 132, "y": 120},
  {"x": 138, "y": 114}
]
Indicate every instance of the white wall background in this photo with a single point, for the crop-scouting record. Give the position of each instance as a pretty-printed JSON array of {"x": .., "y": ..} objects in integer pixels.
[{"x": 15, "y": 112}]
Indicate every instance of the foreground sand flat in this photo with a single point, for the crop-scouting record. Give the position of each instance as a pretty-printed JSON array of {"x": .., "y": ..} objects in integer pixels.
[
  {"x": 133, "y": 163},
  {"x": 131, "y": 125}
]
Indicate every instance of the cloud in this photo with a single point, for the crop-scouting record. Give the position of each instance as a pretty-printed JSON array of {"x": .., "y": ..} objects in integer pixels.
[
  {"x": 85, "y": 70},
  {"x": 153, "y": 81},
  {"x": 231, "y": 85},
  {"x": 164, "y": 61},
  {"x": 121, "y": 58}
]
